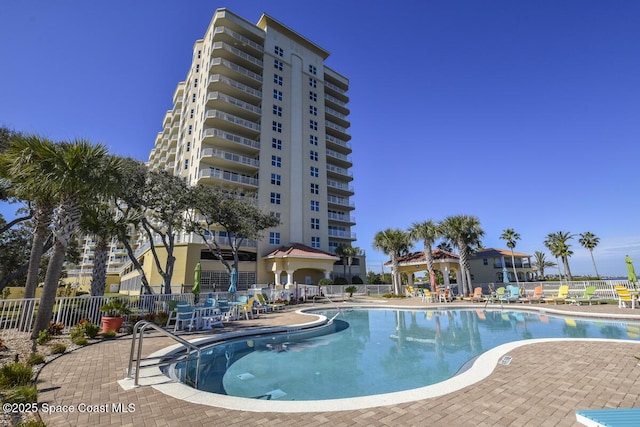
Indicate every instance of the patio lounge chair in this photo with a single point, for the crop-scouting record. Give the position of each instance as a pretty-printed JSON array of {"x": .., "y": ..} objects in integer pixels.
[
  {"x": 273, "y": 305},
  {"x": 536, "y": 297},
  {"x": 512, "y": 294},
  {"x": 588, "y": 296},
  {"x": 609, "y": 417},
  {"x": 560, "y": 296},
  {"x": 476, "y": 296},
  {"x": 185, "y": 314},
  {"x": 496, "y": 296},
  {"x": 624, "y": 297}
]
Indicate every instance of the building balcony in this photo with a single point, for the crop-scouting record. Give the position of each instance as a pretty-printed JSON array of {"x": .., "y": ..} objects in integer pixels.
[
  {"x": 233, "y": 105},
  {"x": 336, "y": 91},
  {"x": 338, "y": 117},
  {"x": 214, "y": 175},
  {"x": 335, "y": 217},
  {"x": 224, "y": 50},
  {"x": 235, "y": 71},
  {"x": 339, "y": 159},
  {"x": 340, "y": 187},
  {"x": 338, "y": 144},
  {"x": 337, "y": 130},
  {"x": 229, "y": 122},
  {"x": 230, "y": 160},
  {"x": 234, "y": 88},
  {"x": 223, "y": 33},
  {"x": 339, "y": 172},
  {"x": 341, "y": 234},
  {"x": 340, "y": 202},
  {"x": 222, "y": 139}
]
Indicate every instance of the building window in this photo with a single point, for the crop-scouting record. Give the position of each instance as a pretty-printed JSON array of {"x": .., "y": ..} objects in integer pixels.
[
  {"x": 190, "y": 131},
  {"x": 313, "y": 82},
  {"x": 186, "y": 164},
  {"x": 277, "y": 79},
  {"x": 315, "y": 242},
  {"x": 277, "y": 110},
  {"x": 313, "y": 125},
  {"x": 315, "y": 205},
  {"x": 191, "y": 114},
  {"x": 274, "y": 238},
  {"x": 313, "y": 96},
  {"x": 199, "y": 54},
  {"x": 195, "y": 82},
  {"x": 313, "y": 140},
  {"x": 193, "y": 98},
  {"x": 277, "y": 95},
  {"x": 275, "y": 198},
  {"x": 277, "y": 64},
  {"x": 197, "y": 68},
  {"x": 278, "y": 51},
  {"x": 314, "y": 172},
  {"x": 276, "y": 161},
  {"x": 275, "y": 214},
  {"x": 313, "y": 110},
  {"x": 485, "y": 261},
  {"x": 312, "y": 69},
  {"x": 188, "y": 146},
  {"x": 313, "y": 155},
  {"x": 315, "y": 223},
  {"x": 276, "y": 143},
  {"x": 315, "y": 188},
  {"x": 275, "y": 179},
  {"x": 276, "y": 127}
]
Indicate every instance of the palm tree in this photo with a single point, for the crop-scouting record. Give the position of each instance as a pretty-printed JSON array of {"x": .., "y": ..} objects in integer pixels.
[
  {"x": 541, "y": 262},
  {"x": 557, "y": 244},
  {"x": 589, "y": 241},
  {"x": 427, "y": 231},
  {"x": 463, "y": 232},
  {"x": 510, "y": 236},
  {"x": 392, "y": 242},
  {"x": 340, "y": 251},
  {"x": 79, "y": 172},
  {"x": 350, "y": 252},
  {"x": 22, "y": 166}
]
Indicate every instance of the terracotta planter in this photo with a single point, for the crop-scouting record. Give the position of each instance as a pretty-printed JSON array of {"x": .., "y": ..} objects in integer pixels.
[{"x": 111, "y": 323}]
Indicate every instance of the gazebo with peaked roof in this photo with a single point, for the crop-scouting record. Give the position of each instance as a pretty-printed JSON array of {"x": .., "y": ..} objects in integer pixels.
[
  {"x": 298, "y": 257},
  {"x": 416, "y": 261}
]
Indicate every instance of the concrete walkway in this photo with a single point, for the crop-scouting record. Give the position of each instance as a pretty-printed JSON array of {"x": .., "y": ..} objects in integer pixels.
[{"x": 543, "y": 386}]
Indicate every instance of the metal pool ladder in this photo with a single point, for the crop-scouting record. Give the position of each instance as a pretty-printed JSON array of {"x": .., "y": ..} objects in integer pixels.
[{"x": 140, "y": 328}]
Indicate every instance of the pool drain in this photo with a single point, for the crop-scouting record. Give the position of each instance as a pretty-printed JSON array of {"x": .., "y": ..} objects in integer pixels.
[{"x": 506, "y": 360}]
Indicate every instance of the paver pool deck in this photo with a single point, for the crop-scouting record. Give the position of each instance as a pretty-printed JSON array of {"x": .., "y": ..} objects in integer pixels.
[{"x": 543, "y": 385}]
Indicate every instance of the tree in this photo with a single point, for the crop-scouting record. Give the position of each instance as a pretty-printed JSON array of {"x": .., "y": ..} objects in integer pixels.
[
  {"x": 130, "y": 210},
  {"x": 14, "y": 249},
  {"x": 24, "y": 166},
  {"x": 558, "y": 246},
  {"x": 463, "y": 232},
  {"x": 541, "y": 263},
  {"x": 349, "y": 252},
  {"x": 589, "y": 241},
  {"x": 166, "y": 199},
  {"x": 445, "y": 246},
  {"x": 343, "y": 259},
  {"x": 510, "y": 236},
  {"x": 236, "y": 213},
  {"x": 427, "y": 231},
  {"x": 393, "y": 242},
  {"x": 78, "y": 173}
]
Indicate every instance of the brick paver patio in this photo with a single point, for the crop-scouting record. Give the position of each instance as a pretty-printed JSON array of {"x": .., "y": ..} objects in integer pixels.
[{"x": 543, "y": 386}]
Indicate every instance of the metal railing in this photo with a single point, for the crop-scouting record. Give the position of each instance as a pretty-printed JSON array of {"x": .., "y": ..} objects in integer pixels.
[{"x": 140, "y": 328}]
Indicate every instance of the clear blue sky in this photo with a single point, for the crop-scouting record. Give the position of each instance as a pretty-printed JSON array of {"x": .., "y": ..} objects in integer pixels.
[{"x": 523, "y": 113}]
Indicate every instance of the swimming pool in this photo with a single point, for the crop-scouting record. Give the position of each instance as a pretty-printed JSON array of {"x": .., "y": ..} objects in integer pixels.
[{"x": 376, "y": 351}]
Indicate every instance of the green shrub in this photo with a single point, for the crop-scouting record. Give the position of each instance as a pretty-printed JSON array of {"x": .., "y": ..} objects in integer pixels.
[
  {"x": 56, "y": 328},
  {"x": 325, "y": 282},
  {"x": 15, "y": 374},
  {"x": 356, "y": 280},
  {"x": 90, "y": 329},
  {"x": 32, "y": 423},
  {"x": 35, "y": 359},
  {"x": 58, "y": 348},
  {"x": 43, "y": 337},
  {"x": 109, "y": 334},
  {"x": 350, "y": 290},
  {"x": 76, "y": 332},
  {"x": 21, "y": 394},
  {"x": 81, "y": 341}
]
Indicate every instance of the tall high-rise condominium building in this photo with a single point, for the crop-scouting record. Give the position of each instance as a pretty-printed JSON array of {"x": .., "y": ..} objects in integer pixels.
[{"x": 259, "y": 109}]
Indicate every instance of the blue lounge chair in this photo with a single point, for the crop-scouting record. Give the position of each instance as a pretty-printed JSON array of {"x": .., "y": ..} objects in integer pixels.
[{"x": 621, "y": 417}]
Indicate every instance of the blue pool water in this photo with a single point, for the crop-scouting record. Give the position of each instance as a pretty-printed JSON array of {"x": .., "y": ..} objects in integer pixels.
[{"x": 373, "y": 351}]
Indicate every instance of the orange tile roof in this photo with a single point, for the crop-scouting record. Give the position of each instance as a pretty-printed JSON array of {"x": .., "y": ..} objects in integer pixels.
[
  {"x": 298, "y": 250},
  {"x": 489, "y": 252}
]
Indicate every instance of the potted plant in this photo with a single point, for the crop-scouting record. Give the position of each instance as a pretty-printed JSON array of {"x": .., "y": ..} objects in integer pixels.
[{"x": 114, "y": 311}]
